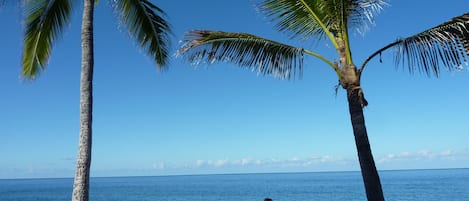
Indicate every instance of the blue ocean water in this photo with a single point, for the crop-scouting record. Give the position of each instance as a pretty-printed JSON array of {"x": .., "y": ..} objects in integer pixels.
[{"x": 402, "y": 185}]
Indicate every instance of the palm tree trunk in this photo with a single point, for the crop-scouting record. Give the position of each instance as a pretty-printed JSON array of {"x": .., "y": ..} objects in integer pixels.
[
  {"x": 370, "y": 175},
  {"x": 82, "y": 174}
]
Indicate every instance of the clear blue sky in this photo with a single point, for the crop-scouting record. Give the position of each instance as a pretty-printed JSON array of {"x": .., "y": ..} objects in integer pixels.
[{"x": 221, "y": 118}]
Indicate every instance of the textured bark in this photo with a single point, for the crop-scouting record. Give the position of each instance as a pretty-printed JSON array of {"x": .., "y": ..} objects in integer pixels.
[
  {"x": 370, "y": 175},
  {"x": 82, "y": 174}
]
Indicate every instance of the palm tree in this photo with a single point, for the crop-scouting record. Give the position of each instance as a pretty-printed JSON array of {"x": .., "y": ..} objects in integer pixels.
[
  {"x": 45, "y": 21},
  {"x": 445, "y": 45}
]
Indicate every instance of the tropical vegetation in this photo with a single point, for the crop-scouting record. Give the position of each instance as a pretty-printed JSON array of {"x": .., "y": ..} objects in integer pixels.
[
  {"x": 445, "y": 46},
  {"x": 45, "y": 21}
]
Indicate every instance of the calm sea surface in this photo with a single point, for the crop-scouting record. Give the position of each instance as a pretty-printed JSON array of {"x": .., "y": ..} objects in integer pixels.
[{"x": 402, "y": 185}]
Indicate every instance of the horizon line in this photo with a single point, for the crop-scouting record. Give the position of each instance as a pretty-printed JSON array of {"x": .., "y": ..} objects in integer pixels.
[{"x": 240, "y": 173}]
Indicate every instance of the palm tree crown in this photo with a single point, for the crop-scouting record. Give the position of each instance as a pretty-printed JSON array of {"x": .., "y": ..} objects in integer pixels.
[
  {"x": 45, "y": 21},
  {"x": 326, "y": 20}
]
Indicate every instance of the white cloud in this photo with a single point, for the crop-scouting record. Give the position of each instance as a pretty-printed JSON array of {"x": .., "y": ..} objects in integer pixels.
[
  {"x": 272, "y": 162},
  {"x": 218, "y": 163},
  {"x": 159, "y": 166},
  {"x": 420, "y": 155},
  {"x": 199, "y": 163},
  {"x": 405, "y": 159}
]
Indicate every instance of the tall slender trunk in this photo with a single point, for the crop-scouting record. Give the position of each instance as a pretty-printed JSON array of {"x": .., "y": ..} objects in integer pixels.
[
  {"x": 82, "y": 174},
  {"x": 370, "y": 175}
]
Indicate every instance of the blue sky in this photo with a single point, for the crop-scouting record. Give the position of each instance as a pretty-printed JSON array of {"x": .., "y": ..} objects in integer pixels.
[{"x": 222, "y": 118}]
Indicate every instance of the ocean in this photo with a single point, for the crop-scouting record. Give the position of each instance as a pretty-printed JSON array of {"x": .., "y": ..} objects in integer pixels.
[{"x": 399, "y": 185}]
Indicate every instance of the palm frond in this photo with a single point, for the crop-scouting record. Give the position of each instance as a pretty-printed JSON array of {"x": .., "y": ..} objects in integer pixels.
[
  {"x": 298, "y": 18},
  {"x": 362, "y": 13},
  {"x": 45, "y": 21},
  {"x": 444, "y": 45},
  {"x": 147, "y": 24},
  {"x": 317, "y": 18},
  {"x": 258, "y": 54}
]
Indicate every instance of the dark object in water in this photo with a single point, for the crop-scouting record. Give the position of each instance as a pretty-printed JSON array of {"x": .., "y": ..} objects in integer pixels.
[{"x": 268, "y": 199}]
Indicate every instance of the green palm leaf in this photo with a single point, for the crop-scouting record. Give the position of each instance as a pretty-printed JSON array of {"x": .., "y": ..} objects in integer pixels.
[
  {"x": 45, "y": 20},
  {"x": 445, "y": 45},
  {"x": 147, "y": 25},
  {"x": 361, "y": 13},
  {"x": 264, "y": 56},
  {"x": 317, "y": 18},
  {"x": 297, "y": 18}
]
